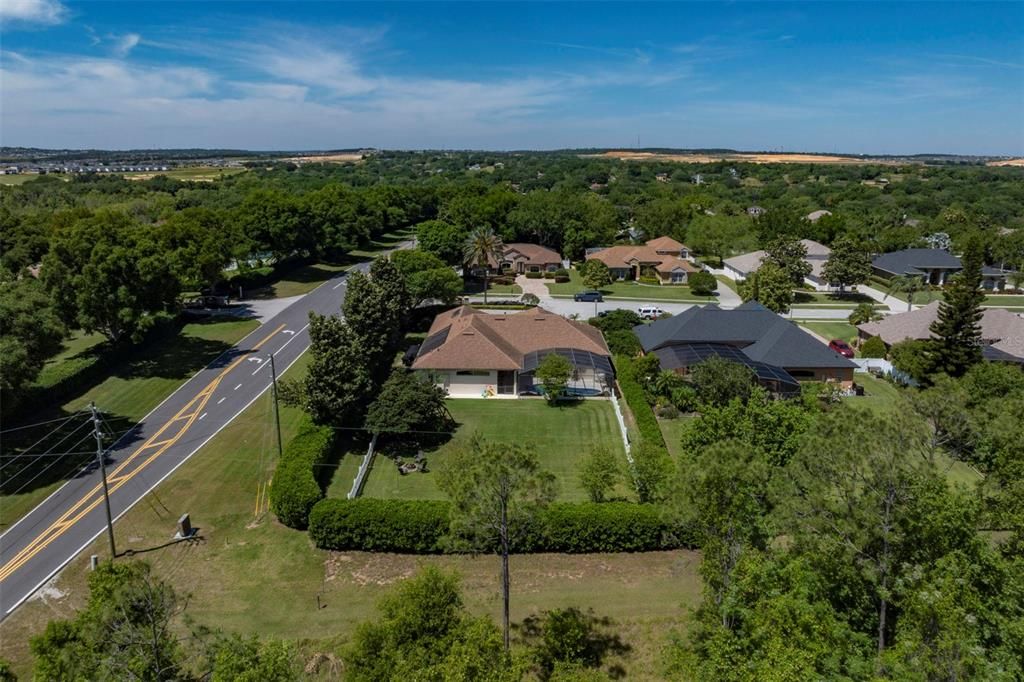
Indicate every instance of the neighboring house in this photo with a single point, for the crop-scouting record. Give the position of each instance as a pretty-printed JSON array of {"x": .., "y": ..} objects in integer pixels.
[
  {"x": 934, "y": 266},
  {"x": 815, "y": 216},
  {"x": 1002, "y": 332},
  {"x": 740, "y": 267},
  {"x": 474, "y": 354},
  {"x": 664, "y": 259},
  {"x": 779, "y": 352},
  {"x": 755, "y": 211},
  {"x": 522, "y": 258}
]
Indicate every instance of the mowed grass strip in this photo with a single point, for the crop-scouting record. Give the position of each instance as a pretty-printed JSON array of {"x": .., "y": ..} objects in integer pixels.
[
  {"x": 831, "y": 330},
  {"x": 251, "y": 575},
  {"x": 563, "y": 436}
]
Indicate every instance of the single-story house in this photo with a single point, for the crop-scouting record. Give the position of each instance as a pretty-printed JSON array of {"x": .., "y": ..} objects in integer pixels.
[
  {"x": 779, "y": 352},
  {"x": 1002, "y": 332},
  {"x": 521, "y": 258},
  {"x": 740, "y": 267},
  {"x": 934, "y": 266},
  {"x": 663, "y": 258},
  {"x": 474, "y": 354}
]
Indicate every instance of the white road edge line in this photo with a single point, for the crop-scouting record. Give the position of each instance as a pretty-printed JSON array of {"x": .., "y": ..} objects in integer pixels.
[
  {"x": 221, "y": 400},
  {"x": 148, "y": 491},
  {"x": 265, "y": 364},
  {"x": 201, "y": 416}
]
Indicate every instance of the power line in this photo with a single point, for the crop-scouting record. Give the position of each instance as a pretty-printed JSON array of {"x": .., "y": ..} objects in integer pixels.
[
  {"x": 48, "y": 421},
  {"x": 57, "y": 444}
]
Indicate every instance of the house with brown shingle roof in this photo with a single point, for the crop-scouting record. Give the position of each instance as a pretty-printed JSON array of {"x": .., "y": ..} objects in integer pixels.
[
  {"x": 474, "y": 354},
  {"x": 1002, "y": 332},
  {"x": 664, "y": 259},
  {"x": 522, "y": 258}
]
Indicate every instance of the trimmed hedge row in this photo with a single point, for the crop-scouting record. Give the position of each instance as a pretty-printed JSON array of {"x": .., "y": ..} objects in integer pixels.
[
  {"x": 420, "y": 527},
  {"x": 633, "y": 394},
  {"x": 295, "y": 488}
]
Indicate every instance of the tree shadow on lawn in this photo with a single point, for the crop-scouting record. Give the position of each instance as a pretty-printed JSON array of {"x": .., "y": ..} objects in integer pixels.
[
  {"x": 848, "y": 297},
  {"x": 38, "y": 457},
  {"x": 590, "y": 637},
  {"x": 175, "y": 357}
]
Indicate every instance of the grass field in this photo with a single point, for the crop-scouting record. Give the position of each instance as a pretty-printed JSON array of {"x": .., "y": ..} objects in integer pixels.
[
  {"x": 133, "y": 388},
  {"x": 822, "y": 299},
  {"x": 628, "y": 290},
  {"x": 299, "y": 281},
  {"x": 249, "y": 574},
  {"x": 197, "y": 173},
  {"x": 562, "y": 437},
  {"x": 20, "y": 179},
  {"x": 831, "y": 329},
  {"x": 671, "y": 430}
]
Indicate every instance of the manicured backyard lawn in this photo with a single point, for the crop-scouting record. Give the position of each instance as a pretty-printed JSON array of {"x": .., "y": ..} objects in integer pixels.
[
  {"x": 628, "y": 290},
  {"x": 562, "y": 437},
  {"x": 831, "y": 329}
]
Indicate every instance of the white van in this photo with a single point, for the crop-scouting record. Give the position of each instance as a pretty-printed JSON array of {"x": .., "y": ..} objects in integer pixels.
[{"x": 649, "y": 312}]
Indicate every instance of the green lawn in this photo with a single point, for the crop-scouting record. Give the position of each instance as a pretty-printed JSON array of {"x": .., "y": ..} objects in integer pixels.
[
  {"x": 300, "y": 281},
  {"x": 831, "y": 329},
  {"x": 730, "y": 284},
  {"x": 822, "y": 299},
  {"x": 199, "y": 173},
  {"x": 562, "y": 437},
  {"x": 671, "y": 431},
  {"x": 476, "y": 288},
  {"x": 251, "y": 575},
  {"x": 133, "y": 388},
  {"x": 628, "y": 290}
]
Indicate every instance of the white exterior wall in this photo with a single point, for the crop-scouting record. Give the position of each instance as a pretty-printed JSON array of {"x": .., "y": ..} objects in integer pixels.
[
  {"x": 466, "y": 386},
  {"x": 734, "y": 274}
]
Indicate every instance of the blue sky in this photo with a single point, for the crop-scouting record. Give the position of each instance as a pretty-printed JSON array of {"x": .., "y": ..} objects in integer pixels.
[{"x": 865, "y": 77}]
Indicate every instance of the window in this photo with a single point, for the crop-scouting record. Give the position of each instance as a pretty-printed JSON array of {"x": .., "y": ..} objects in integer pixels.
[
  {"x": 472, "y": 373},
  {"x": 534, "y": 268},
  {"x": 678, "y": 277}
]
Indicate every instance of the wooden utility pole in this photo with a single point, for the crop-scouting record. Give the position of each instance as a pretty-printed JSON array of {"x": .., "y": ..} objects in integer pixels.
[
  {"x": 277, "y": 413},
  {"x": 103, "y": 472}
]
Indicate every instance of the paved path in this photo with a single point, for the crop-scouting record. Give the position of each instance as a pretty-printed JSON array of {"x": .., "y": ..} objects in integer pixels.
[
  {"x": 42, "y": 542},
  {"x": 894, "y": 304}
]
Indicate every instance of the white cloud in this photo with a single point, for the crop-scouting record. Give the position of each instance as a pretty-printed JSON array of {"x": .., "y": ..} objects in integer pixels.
[
  {"x": 46, "y": 12},
  {"x": 125, "y": 44}
]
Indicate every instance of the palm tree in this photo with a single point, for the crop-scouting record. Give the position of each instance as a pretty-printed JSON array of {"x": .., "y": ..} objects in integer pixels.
[
  {"x": 906, "y": 284},
  {"x": 483, "y": 245}
]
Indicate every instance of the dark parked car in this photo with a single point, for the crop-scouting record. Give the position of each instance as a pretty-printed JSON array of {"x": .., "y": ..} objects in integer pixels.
[
  {"x": 841, "y": 347},
  {"x": 588, "y": 296}
]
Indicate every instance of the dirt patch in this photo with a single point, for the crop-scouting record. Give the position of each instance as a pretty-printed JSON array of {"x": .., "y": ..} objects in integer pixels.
[
  {"x": 1007, "y": 162},
  {"x": 740, "y": 158}
]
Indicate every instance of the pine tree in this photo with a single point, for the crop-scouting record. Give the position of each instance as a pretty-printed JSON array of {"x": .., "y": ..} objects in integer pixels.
[{"x": 956, "y": 333}]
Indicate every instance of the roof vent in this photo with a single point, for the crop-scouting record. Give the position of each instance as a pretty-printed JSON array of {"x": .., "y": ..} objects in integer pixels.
[{"x": 468, "y": 332}]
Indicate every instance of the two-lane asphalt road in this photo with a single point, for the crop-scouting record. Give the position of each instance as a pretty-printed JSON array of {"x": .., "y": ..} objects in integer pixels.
[{"x": 52, "y": 534}]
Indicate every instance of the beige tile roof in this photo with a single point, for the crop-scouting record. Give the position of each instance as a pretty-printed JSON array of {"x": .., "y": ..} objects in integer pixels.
[
  {"x": 665, "y": 244},
  {"x": 1001, "y": 329},
  {"x": 479, "y": 340},
  {"x": 625, "y": 256},
  {"x": 532, "y": 254}
]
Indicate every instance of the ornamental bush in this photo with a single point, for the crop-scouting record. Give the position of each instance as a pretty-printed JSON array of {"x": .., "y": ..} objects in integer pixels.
[
  {"x": 873, "y": 348},
  {"x": 421, "y": 526},
  {"x": 534, "y": 275},
  {"x": 702, "y": 283},
  {"x": 295, "y": 488}
]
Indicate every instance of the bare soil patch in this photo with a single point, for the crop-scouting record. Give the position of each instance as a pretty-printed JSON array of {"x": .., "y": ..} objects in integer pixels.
[{"x": 746, "y": 158}]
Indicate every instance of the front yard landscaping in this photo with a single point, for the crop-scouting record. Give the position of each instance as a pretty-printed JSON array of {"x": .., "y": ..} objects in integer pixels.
[
  {"x": 831, "y": 329},
  {"x": 562, "y": 436},
  {"x": 628, "y": 290}
]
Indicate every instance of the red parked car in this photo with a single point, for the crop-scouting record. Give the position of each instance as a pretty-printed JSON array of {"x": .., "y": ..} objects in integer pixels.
[{"x": 841, "y": 347}]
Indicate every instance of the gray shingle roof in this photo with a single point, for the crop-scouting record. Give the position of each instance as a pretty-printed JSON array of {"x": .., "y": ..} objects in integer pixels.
[
  {"x": 761, "y": 335},
  {"x": 908, "y": 261}
]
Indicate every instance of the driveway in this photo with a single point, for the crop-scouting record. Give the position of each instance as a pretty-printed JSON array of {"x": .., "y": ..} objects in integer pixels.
[{"x": 261, "y": 309}]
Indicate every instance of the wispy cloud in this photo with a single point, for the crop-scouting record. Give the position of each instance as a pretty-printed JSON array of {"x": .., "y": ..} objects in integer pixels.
[
  {"x": 45, "y": 12},
  {"x": 983, "y": 60},
  {"x": 125, "y": 44}
]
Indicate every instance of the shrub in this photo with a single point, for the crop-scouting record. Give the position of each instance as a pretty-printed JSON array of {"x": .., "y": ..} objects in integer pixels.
[
  {"x": 295, "y": 488},
  {"x": 534, "y": 275},
  {"x": 619, "y": 319},
  {"x": 623, "y": 342},
  {"x": 649, "y": 280},
  {"x": 873, "y": 348},
  {"x": 549, "y": 274},
  {"x": 702, "y": 283},
  {"x": 530, "y": 299},
  {"x": 912, "y": 356},
  {"x": 373, "y": 525},
  {"x": 561, "y": 280},
  {"x": 652, "y": 469},
  {"x": 561, "y": 272},
  {"x": 633, "y": 394},
  {"x": 420, "y": 527}
]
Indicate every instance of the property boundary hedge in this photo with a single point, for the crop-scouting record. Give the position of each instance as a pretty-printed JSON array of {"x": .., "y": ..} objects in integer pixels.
[
  {"x": 295, "y": 488},
  {"x": 633, "y": 393},
  {"x": 420, "y": 527}
]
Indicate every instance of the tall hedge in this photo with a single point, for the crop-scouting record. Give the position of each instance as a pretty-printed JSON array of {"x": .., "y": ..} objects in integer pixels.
[
  {"x": 420, "y": 527},
  {"x": 633, "y": 394},
  {"x": 295, "y": 488}
]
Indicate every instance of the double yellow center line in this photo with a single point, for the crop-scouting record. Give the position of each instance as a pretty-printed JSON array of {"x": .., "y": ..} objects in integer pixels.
[{"x": 158, "y": 443}]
